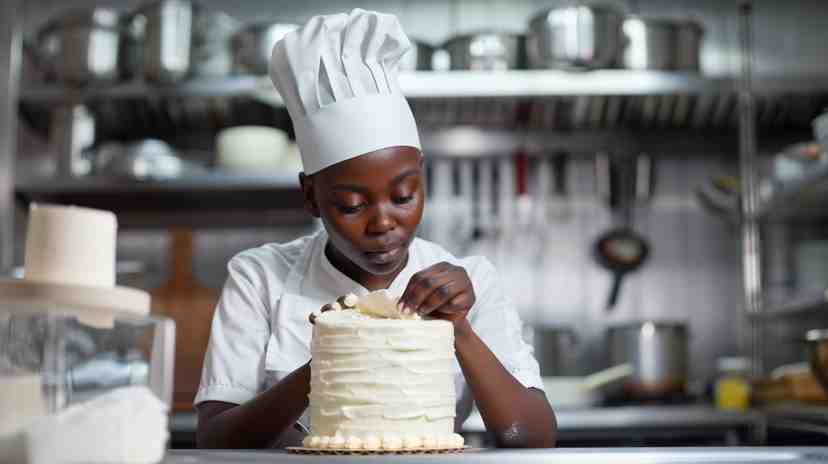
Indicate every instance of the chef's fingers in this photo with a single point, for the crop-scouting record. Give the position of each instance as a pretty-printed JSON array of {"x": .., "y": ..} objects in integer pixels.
[
  {"x": 440, "y": 297},
  {"x": 459, "y": 304},
  {"x": 421, "y": 285}
]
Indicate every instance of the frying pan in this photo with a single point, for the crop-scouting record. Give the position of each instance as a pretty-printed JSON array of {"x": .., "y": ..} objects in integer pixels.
[{"x": 620, "y": 250}]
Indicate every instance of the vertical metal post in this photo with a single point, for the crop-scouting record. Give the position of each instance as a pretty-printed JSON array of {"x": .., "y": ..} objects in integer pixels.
[
  {"x": 751, "y": 245},
  {"x": 9, "y": 80}
]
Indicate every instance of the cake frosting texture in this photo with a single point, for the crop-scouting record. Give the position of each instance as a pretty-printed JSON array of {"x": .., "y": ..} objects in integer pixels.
[{"x": 381, "y": 383}]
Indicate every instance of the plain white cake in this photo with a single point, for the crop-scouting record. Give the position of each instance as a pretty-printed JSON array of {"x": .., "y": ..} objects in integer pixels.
[{"x": 381, "y": 384}]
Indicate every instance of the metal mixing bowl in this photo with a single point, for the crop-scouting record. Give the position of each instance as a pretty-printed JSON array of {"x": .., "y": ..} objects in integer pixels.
[{"x": 818, "y": 351}]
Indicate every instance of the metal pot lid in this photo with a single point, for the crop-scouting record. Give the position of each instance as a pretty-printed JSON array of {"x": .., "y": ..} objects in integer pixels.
[{"x": 95, "y": 17}]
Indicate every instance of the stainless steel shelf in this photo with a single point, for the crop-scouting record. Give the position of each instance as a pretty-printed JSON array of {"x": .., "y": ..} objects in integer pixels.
[
  {"x": 213, "y": 200},
  {"x": 204, "y": 87},
  {"x": 794, "y": 306},
  {"x": 457, "y": 84}
]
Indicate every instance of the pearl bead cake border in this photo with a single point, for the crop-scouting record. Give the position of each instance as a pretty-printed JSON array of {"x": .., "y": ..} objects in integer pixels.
[{"x": 368, "y": 452}]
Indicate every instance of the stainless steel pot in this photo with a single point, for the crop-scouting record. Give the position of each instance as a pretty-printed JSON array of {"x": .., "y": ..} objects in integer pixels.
[
  {"x": 658, "y": 353},
  {"x": 487, "y": 51},
  {"x": 661, "y": 44},
  {"x": 418, "y": 58},
  {"x": 181, "y": 38},
  {"x": 253, "y": 45},
  {"x": 575, "y": 37},
  {"x": 81, "y": 46},
  {"x": 555, "y": 350},
  {"x": 818, "y": 353}
]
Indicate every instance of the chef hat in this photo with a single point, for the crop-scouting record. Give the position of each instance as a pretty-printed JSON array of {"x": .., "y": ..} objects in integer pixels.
[{"x": 338, "y": 78}]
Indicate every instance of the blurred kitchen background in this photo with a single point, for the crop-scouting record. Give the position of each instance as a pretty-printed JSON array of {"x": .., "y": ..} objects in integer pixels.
[{"x": 632, "y": 116}]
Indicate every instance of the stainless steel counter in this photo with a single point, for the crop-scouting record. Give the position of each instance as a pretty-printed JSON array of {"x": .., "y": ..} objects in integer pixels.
[
  {"x": 636, "y": 417},
  {"x": 562, "y": 456}
]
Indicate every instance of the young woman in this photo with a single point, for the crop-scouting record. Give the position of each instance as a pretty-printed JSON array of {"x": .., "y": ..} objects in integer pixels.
[{"x": 363, "y": 177}]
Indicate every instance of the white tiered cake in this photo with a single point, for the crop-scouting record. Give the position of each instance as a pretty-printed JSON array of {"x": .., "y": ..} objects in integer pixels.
[{"x": 381, "y": 384}]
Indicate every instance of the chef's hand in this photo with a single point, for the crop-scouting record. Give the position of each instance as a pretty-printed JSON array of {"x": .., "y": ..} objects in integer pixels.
[{"x": 442, "y": 291}]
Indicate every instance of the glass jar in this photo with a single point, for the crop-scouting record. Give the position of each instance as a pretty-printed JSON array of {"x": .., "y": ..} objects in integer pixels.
[{"x": 732, "y": 390}]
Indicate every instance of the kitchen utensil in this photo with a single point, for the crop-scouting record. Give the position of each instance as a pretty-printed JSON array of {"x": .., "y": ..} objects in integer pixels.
[
  {"x": 587, "y": 37},
  {"x": 182, "y": 37},
  {"x": 658, "y": 353},
  {"x": 661, "y": 44},
  {"x": 81, "y": 46},
  {"x": 191, "y": 306},
  {"x": 584, "y": 392},
  {"x": 555, "y": 350},
  {"x": 486, "y": 51},
  {"x": 818, "y": 353},
  {"x": 147, "y": 159},
  {"x": 621, "y": 250},
  {"x": 212, "y": 51},
  {"x": 251, "y": 149},
  {"x": 253, "y": 44}
]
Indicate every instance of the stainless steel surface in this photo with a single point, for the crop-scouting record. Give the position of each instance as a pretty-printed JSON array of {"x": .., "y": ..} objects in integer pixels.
[
  {"x": 555, "y": 350},
  {"x": 572, "y": 455},
  {"x": 748, "y": 167},
  {"x": 183, "y": 38},
  {"x": 658, "y": 352},
  {"x": 640, "y": 417},
  {"x": 10, "y": 47},
  {"x": 575, "y": 37},
  {"x": 71, "y": 132},
  {"x": 486, "y": 51},
  {"x": 661, "y": 44},
  {"x": 253, "y": 45},
  {"x": 82, "y": 46},
  {"x": 818, "y": 354},
  {"x": 168, "y": 36},
  {"x": 148, "y": 159}
]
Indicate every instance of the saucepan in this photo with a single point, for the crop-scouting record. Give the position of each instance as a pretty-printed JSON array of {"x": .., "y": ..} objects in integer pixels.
[
  {"x": 661, "y": 44},
  {"x": 487, "y": 51},
  {"x": 253, "y": 44},
  {"x": 586, "y": 37},
  {"x": 81, "y": 46},
  {"x": 658, "y": 352}
]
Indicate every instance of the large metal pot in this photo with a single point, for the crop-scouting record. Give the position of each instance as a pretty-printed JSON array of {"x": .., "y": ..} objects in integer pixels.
[
  {"x": 661, "y": 44},
  {"x": 555, "y": 350},
  {"x": 486, "y": 51},
  {"x": 182, "y": 38},
  {"x": 81, "y": 46},
  {"x": 818, "y": 352},
  {"x": 253, "y": 45},
  {"x": 658, "y": 353},
  {"x": 582, "y": 36},
  {"x": 418, "y": 58}
]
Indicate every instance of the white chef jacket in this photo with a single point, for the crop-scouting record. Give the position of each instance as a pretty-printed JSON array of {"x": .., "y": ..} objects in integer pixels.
[{"x": 261, "y": 333}]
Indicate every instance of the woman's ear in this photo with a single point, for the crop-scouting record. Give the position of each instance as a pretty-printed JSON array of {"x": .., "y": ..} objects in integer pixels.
[{"x": 308, "y": 195}]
